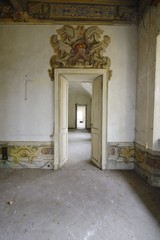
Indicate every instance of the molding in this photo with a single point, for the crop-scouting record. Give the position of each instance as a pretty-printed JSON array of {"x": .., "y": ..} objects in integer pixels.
[
  {"x": 112, "y": 12},
  {"x": 82, "y": 11},
  {"x": 21, "y": 17},
  {"x": 97, "y": 2},
  {"x": 19, "y": 5}
]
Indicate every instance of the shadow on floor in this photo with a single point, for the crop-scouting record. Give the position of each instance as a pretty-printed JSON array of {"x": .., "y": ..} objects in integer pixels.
[{"x": 148, "y": 195}]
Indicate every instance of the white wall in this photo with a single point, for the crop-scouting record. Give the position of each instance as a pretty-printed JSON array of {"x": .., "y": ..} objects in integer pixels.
[
  {"x": 27, "y": 50},
  {"x": 122, "y": 86}
]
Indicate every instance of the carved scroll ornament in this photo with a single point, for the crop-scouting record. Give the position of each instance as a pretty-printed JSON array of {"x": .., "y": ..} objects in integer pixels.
[
  {"x": 77, "y": 47},
  {"x": 126, "y": 153},
  {"x": 21, "y": 17}
]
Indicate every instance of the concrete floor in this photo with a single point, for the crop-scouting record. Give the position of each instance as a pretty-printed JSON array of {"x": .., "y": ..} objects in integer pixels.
[{"x": 77, "y": 202}]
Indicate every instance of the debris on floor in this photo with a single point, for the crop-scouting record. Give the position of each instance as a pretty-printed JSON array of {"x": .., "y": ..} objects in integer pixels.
[{"x": 10, "y": 202}]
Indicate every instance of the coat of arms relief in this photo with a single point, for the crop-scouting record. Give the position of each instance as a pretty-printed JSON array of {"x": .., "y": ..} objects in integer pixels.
[{"x": 77, "y": 47}]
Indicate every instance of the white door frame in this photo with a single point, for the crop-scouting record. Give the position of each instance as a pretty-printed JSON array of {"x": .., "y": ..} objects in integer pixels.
[{"x": 94, "y": 72}]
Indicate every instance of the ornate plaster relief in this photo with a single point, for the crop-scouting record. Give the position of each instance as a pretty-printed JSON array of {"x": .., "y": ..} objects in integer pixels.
[{"x": 79, "y": 47}]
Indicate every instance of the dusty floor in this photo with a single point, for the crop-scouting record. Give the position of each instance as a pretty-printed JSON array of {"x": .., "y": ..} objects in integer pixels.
[{"x": 77, "y": 202}]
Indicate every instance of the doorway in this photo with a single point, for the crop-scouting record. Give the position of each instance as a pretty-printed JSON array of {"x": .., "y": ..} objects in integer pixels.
[
  {"x": 79, "y": 150},
  {"x": 80, "y": 116},
  {"x": 99, "y": 80}
]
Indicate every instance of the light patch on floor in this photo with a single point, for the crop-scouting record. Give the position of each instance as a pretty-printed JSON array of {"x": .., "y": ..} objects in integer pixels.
[{"x": 89, "y": 235}]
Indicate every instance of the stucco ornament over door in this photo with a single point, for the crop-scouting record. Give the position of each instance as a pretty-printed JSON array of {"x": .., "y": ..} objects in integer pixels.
[{"x": 79, "y": 47}]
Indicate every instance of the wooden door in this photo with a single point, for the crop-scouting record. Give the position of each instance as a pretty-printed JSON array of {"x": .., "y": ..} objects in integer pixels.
[
  {"x": 96, "y": 122},
  {"x": 63, "y": 120}
]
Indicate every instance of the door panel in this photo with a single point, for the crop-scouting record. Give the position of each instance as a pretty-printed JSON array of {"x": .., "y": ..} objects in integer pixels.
[
  {"x": 96, "y": 119},
  {"x": 63, "y": 120}
]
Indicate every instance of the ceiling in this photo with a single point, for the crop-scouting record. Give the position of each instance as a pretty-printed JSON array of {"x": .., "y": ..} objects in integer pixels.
[
  {"x": 79, "y": 77},
  {"x": 81, "y": 82},
  {"x": 80, "y": 88}
]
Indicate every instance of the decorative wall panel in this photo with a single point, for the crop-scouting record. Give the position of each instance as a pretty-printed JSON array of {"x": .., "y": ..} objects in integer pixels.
[
  {"x": 120, "y": 156},
  {"x": 28, "y": 156}
]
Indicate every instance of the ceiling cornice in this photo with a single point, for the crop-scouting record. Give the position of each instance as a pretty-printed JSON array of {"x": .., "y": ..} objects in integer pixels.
[
  {"x": 97, "y": 2},
  {"x": 100, "y": 11}
]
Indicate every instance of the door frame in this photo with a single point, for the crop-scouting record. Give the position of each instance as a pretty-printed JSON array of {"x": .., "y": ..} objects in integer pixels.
[{"x": 95, "y": 72}]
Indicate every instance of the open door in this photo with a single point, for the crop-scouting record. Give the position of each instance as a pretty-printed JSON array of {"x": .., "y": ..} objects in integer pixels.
[
  {"x": 63, "y": 140},
  {"x": 96, "y": 122},
  {"x": 99, "y": 114},
  {"x": 61, "y": 150}
]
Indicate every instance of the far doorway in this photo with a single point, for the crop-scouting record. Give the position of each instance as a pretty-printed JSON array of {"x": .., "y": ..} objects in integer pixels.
[{"x": 80, "y": 118}]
